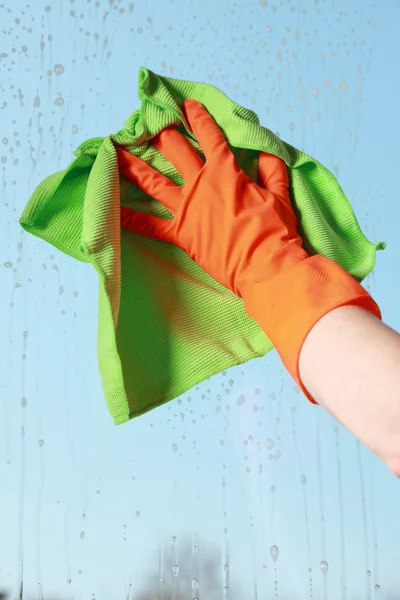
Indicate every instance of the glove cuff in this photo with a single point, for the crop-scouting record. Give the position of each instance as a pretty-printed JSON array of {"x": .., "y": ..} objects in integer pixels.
[{"x": 287, "y": 306}]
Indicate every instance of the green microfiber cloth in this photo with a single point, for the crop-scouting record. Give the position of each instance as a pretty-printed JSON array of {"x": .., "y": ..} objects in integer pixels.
[{"x": 164, "y": 324}]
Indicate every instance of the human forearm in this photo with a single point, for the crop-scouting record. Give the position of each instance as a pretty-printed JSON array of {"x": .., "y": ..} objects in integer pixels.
[
  {"x": 350, "y": 364},
  {"x": 327, "y": 330}
]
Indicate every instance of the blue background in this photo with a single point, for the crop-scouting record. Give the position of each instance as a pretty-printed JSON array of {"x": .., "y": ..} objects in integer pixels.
[{"x": 240, "y": 488}]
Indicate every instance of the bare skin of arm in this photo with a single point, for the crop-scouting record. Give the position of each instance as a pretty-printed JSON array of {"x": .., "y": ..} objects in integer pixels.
[{"x": 350, "y": 363}]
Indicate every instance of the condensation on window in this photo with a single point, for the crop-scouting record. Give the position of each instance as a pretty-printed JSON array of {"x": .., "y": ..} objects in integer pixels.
[{"x": 239, "y": 488}]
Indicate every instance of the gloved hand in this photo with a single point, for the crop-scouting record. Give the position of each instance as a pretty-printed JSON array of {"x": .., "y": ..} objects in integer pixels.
[{"x": 242, "y": 234}]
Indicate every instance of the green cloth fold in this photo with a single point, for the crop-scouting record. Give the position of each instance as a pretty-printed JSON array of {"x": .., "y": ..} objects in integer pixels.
[{"x": 164, "y": 324}]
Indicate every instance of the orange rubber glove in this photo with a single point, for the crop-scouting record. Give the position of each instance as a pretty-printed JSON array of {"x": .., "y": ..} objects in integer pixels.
[{"x": 242, "y": 234}]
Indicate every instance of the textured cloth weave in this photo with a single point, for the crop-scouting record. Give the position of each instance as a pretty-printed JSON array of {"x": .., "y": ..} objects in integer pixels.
[{"x": 164, "y": 324}]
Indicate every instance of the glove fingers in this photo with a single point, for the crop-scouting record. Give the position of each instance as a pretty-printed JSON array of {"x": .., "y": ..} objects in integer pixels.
[
  {"x": 153, "y": 183},
  {"x": 210, "y": 137},
  {"x": 148, "y": 225},
  {"x": 273, "y": 175},
  {"x": 178, "y": 151},
  {"x": 275, "y": 179}
]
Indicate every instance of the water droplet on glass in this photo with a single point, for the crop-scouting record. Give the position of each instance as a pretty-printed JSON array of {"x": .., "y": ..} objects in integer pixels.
[
  {"x": 174, "y": 447},
  {"x": 269, "y": 443},
  {"x": 274, "y": 552},
  {"x": 377, "y": 586},
  {"x": 303, "y": 480},
  {"x": 175, "y": 570},
  {"x": 368, "y": 573},
  {"x": 24, "y": 402},
  {"x": 47, "y": 8},
  {"x": 324, "y": 566},
  {"x": 41, "y": 443},
  {"x": 277, "y": 454},
  {"x": 58, "y": 69},
  {"x": 195, "y": 583},
  {"x": 82, "y": 535},
  {"x": 241, "y": 400},
  {"x": 74, "y": 129},
  {"x": 59, "y": 101},
  {"x": 138, "y": 513},
  {"x": 263, "y": 3}
]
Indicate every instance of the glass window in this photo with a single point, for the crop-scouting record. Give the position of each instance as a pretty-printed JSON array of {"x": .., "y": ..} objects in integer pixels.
[{"x": 239, "y": 488}]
